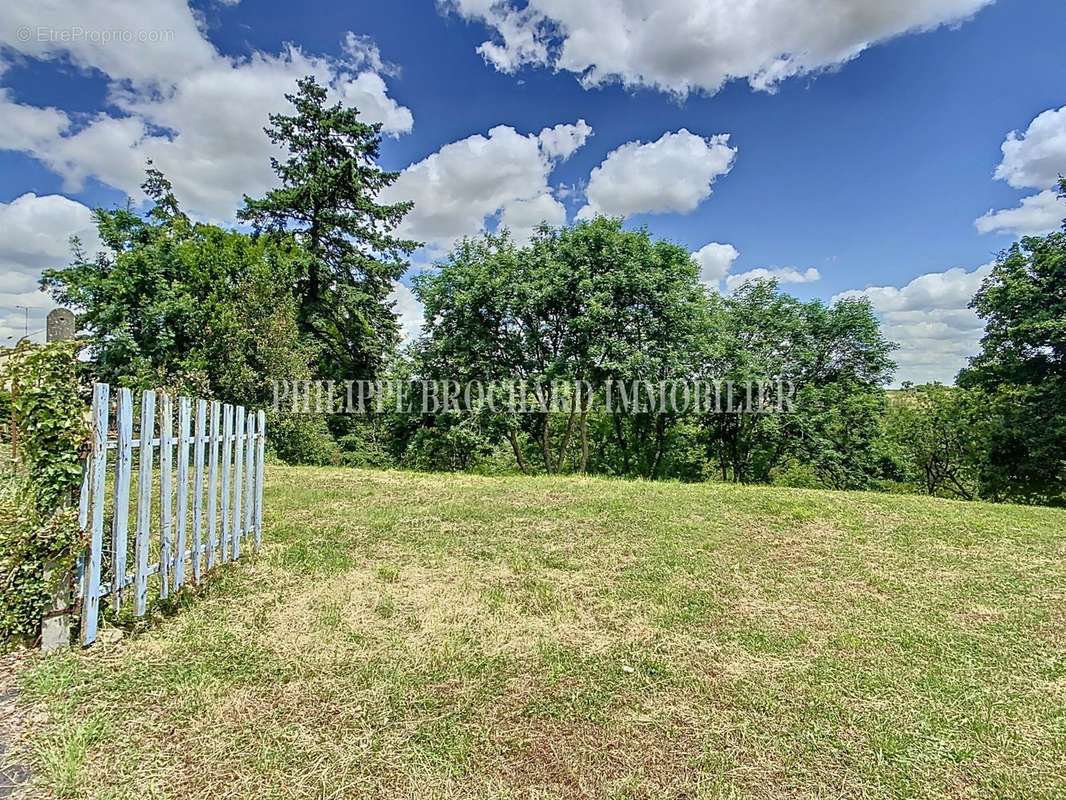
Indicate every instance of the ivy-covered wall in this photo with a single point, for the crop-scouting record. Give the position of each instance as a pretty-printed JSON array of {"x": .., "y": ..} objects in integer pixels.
[{"x": 44, "y": 407}]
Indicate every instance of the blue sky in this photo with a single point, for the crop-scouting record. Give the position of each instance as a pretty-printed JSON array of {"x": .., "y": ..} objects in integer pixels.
[{"x": 861, "y": 151}]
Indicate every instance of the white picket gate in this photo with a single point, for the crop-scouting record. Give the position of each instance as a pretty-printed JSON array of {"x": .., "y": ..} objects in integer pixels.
[{"x": 227, "y": 444}]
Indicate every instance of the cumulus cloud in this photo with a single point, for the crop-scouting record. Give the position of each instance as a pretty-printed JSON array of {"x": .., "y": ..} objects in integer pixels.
[
  {"x": 715, "y": 260},
  {"x": 680, "y": 46},
  {"x": 523, "y": 216},
  {"x": 779, "y": 274},
  {"x": 673, "y": 173},
  {"x": 408, "y": 311},
  {"x": 457, "y": 189},
  {"x": 930, "y": 320},
  {"x": 197, "y": 114},
  {"x": 363, "y": 52},
  {"x": 1034, "y": 159},
  {"x": 37, "y": 230},
  {"x": 1037, "y": 214},
  {"x": 27, "y": 127},
  {"x": 166, "y": 36},
  {"x": 562, "y": 140},
  {"x": 520, "y": 40}
]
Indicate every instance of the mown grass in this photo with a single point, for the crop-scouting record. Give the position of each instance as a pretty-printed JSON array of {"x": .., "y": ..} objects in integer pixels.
[{"x": 439, "y": 636}]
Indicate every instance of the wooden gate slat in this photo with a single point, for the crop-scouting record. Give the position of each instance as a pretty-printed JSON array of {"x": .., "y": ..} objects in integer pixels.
[
  {"x": 249, "y": 474},
  {"x": 259, "y": 475},
  {"x": 144, "y": 502},
  {"x": 181, "y": 541},
  {"x": 198, "y": 491},
  {"x": 212, "y": 486},
  {"x": 166, "y": 491},
  {"x": 238, "y": 484},
  {"x": 121, "y": 521},
  {"x": 91, "y": 600},
  {"x": 227, "y": 457}
]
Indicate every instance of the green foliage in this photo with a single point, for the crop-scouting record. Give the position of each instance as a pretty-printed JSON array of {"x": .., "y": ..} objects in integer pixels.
[
  {"x": 328, "y": 201},
  {"x": 302, "y": 439},
  {"x": 193, "y": 308},
  {"x": 48, "y": 411},
  {"x": 29, "y": 539},
  {"x": 837, "y": 424},
  {"x": 591, "y": 303},
  {"x": 38, "y": 521},
  {"x": 596, "y": 303},
  {"x": 932, "y": 433},
  {"x": 203, "y": 310},
  {"x": 1022, "y": 368},
  {"x": 1024, "y": 439},
  {"x": 190, "y": 306},
  {"x": 836, "y": 360},
  {"x": 797, "y": 475},
  {"x": 449, "y": 442}
]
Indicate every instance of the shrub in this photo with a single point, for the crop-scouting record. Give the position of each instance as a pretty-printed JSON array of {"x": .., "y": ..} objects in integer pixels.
[{"x": 299, "y": 439}]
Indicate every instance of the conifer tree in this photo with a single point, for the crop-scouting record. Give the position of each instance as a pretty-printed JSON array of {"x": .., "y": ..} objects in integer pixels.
[{"x": 328, "y": 200}]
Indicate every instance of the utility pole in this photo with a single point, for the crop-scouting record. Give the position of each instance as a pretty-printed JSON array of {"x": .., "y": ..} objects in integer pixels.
[{"x": 26, "y": 327}]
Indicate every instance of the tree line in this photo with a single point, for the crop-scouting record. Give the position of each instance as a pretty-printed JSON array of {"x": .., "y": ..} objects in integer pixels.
[{"x": 302, "y": 293}]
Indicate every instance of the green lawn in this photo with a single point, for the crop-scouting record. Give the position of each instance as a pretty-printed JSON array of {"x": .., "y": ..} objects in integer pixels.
[{"x": 429, "y": 636}]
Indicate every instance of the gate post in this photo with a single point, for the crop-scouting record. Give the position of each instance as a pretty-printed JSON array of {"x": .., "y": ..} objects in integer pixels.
[{"x": 55, "y": 622}]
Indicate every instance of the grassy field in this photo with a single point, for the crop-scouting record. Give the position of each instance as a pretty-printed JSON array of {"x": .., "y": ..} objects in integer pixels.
[{"x": 436, "y": 636}]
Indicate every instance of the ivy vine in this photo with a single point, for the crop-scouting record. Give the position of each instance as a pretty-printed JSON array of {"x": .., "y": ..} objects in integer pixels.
[{"x": 45, "y": 405}]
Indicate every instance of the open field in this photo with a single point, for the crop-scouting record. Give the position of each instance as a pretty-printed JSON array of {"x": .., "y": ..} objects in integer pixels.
[{"x": 433, "y": 636}]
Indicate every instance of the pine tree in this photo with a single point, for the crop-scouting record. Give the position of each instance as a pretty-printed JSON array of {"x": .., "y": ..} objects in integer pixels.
[{"x": 330, "y": 183}]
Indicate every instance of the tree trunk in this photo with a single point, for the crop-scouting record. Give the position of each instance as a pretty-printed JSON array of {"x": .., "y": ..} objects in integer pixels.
[
  {"x": 660, "y": 437},
  {"x": 584, "y": 442},
  {"x": 567, "y": 436},
  {"x": 545, "y": 449},
  {"x": 513, "y": 437}
]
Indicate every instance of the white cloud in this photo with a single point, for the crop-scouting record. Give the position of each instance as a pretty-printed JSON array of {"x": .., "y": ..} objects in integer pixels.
[
  {"x": 144, "y": 42},
  {"x": 1035, "y": 159},
  {"x": 1035, "y": 215},
  {"x": 367, "y": 92},
  {"x": 679, "y": 46},
  {"x": 37, "y": 230},
  {"x": 715, "y": 260},
  {"x": 1032, "y": 160},
  {"x": 458, "y": 188},
  {"x": 563, "y": 140},
  {"x": 930, "y": 320},
  {"x": 408, "y": 310},
  {"x": 196, "y": 113},
  {"x": 363, "y": 52},
  {"x": 26, "y": 127},
  {"x": 216, "y": 154},
  {"x": 520, "y": 41},
  {"x": 522, "y": 216},
  {"x": 673, "y": 173},
  {"x": 107, "y": 148},
  {"x": 779, "y": 274}
]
